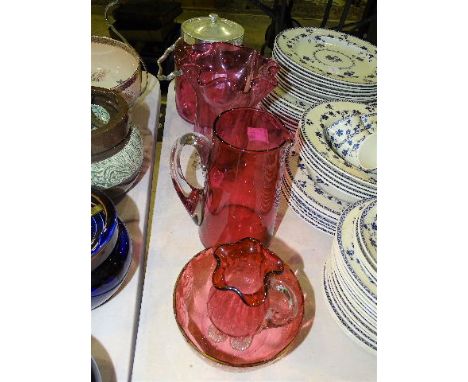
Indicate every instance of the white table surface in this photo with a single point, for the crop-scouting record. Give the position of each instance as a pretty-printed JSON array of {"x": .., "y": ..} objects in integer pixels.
[
  {"x": 322, "y": 351},
  {"x": 114, "y": 324}
]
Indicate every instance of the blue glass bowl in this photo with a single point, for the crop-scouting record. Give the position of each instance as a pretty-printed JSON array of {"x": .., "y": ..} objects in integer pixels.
[
  {"x": 109, "y": 275},
  {"x": 104, "y": 228}
]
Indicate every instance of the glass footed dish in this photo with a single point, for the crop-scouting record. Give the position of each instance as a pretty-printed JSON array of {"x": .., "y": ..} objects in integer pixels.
[{"x": 275, "y": 319}]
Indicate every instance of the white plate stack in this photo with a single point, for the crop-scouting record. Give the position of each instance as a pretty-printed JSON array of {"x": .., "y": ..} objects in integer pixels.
[
  {"x": 350, "y": 273},
  {"x": 318, "y": 183},
  {"x": 317, "y": 65},
  {"x": 307, "y": 195}
]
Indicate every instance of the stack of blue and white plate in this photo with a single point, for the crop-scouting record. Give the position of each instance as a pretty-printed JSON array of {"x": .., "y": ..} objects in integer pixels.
[
  {"x": 350, "y": 273},
  {"x": 319, "y": 183},
  {"x": 319, "y": 65},
  {"x": 308, "y": 197}
]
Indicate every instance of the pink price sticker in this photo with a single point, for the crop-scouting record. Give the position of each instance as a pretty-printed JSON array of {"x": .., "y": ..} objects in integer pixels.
[{"x": 258, "y": 134}]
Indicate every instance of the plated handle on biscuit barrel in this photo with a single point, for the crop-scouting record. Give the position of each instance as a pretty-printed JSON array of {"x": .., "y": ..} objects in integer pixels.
[{"x": 175, "y": 73}]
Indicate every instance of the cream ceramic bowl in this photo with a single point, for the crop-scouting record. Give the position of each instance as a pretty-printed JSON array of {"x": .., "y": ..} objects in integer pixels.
[{"x": 116, "y": 66}]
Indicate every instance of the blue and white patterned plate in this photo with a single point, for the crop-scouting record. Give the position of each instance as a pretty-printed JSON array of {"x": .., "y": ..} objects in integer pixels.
[
  {"x": 346, "y": 185},
  {"x": 289, "y": 67},
  {"x": 367, "y": 229},
  {"x": 360, "y": 302},
  {"x": 324, "y": 85},
  {"x": 350, "y": 308},
  {"x": 329, "y": 187},
  {"x": 345, "y": 239},
  {"x": 354, "y": 333},
  {"x": 295, "y": 198},
  {"x": 334, "y": 56},
  {"x": 304, "y": 213},
  {"x": 308, "y": 92},
  {"x": 312, "y": 126},
  {"x": 278, "y": 109},
  {"x": 350, "y": 280},
  {"x": 310, "y": 192},
  {"x": 286, "y": 99}
]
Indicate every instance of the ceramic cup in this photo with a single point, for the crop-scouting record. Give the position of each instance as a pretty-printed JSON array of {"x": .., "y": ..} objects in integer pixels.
[{"x": 354, "y": 138}]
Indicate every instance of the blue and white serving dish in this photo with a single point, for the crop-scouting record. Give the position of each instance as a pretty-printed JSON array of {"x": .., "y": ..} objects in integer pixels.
[{"x": 111, "y": 249}]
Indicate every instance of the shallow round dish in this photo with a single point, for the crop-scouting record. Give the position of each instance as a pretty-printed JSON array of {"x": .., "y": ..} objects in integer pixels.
[
  {"x": 116, "y": 66},
  {"x": 107, "y": 278},
  {"x": 191, "y": 295}
]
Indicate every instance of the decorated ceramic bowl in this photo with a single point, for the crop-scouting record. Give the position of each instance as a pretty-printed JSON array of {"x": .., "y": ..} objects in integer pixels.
[
  {"x": 116, "y": 66},
  {"x": 109, "y": 235},
  {"x": 116, "y": 144}
]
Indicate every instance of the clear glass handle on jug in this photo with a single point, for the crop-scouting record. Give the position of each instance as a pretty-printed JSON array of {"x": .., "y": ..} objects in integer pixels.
[{"x": 193, "y": 200}]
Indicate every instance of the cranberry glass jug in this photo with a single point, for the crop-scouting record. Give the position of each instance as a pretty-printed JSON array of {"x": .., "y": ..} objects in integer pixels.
[
  {"x": 243, "y": 165},
  {"x": 226, "y": 76},
  {"x": 245, "y": 296}
]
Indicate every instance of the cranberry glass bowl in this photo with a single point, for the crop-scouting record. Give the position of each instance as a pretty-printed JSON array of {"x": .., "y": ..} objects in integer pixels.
[{"x": 206, "y": 332}]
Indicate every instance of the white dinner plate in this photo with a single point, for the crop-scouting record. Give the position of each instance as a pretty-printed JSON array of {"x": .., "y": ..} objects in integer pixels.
[
  {"x": 312, "y": 126},
  {"x": 344, "y": 238},
  {"x": 346, "y": 184},
  {"x": 329, "y": 54},
  {"x": 352, "y": 332}
]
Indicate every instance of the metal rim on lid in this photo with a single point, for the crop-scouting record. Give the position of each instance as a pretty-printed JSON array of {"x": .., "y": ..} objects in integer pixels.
[{"x": 211, "y": 29}]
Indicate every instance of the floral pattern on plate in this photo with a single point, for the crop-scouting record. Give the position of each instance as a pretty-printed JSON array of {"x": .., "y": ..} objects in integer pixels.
[
  {"x": 353, "y": 333},
  {"x": 313, "y": 124},
  {"x": 311, "y": 191},
  {"x": 350, "y": 309},
  {"x": 344, "y": 184},
  {"x": 330, "y": 54},
  {"x": 368, "y": 229},
  {"x": 329, "y": 83},
  {"x": 344, "y": 238},
  {"x": 308, "y": 92}
]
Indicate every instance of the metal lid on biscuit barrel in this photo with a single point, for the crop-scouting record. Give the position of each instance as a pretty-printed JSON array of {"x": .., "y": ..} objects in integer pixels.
[{"x": 212, "y": 29}]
